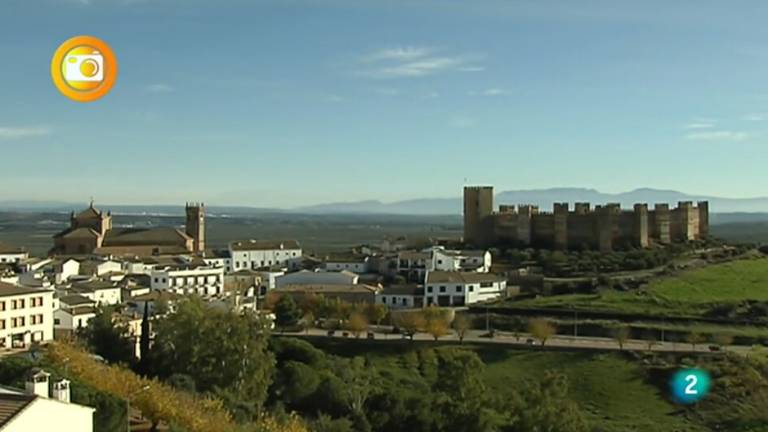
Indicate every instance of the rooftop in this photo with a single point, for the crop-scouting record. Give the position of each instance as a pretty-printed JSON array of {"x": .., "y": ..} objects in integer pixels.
[
  {"x": 7, "y": 290},
  {"x": 328, "y": 289},
  {"x": 247, "y": 245},
  {"x": 462, "y": 277}
]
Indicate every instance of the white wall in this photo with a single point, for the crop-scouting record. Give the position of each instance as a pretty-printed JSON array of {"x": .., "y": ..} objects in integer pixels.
[
  {"x": 13, "y": 257},
  {"x": 306, "y": 277},
  {"x": 200, "y": 280},
  {"x": 254, "y": 259},
  {"x": 30, "y": 332},
  {"x": 357, "y": 267},
  {"x": 52, "y": 415}
]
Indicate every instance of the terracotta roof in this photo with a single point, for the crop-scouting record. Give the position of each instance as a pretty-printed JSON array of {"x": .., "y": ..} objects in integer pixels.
[
  {"x": 410, "y": 289},
  {"x": 246, "y": 245},
  {"x": 78, "y": 233},
  {"x": 161, "y": 236},
  {"x": 462, "y": 277},
  {"x": 7, "y": 290},
  {"x": 88, "y": 213},
  {"x": 12, "y": 404},
  {"x": 6, "y": 248},
  {"x": 328, "y": 288}
]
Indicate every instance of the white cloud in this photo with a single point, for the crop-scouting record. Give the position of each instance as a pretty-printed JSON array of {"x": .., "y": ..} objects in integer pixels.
[
  {"x": 490, "y": 92},
  {"x": 756, "y": 117},
  {"x": 160, "y": 88},
  {"x": 399, "y": 53},
  {"x": 699, "y": 125},
  {"x": 412, "y": 62},
  {"x": 8, "y": 133},
  {"x": 717, "y": 136}
]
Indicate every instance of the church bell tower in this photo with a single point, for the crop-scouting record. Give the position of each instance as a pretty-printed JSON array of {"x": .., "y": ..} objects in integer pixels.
[{"x": 195, "y": 226}]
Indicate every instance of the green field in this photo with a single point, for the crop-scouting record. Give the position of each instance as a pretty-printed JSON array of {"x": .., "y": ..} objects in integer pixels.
[
  {"x": 612, "y": 388},
  {"x": 690, "y": 293}
]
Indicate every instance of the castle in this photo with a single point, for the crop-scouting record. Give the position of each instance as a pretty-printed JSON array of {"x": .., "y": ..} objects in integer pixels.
[
  {"x": 91, "y": 232},
  {"x": 606, "y": 227}
]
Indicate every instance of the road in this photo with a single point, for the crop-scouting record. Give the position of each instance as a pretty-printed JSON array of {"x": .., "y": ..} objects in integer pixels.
[{"x": 558, "y": 341}]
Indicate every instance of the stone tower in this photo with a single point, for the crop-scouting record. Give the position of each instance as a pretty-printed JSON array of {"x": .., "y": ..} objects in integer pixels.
[
  {"x": 478, "y": 206},
  {"x": 195, "y": 226}
]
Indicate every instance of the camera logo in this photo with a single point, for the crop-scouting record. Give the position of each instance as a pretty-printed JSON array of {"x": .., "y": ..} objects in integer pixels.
[
  {"x": 84, "y": 68},
  {"x": 79, "y": 67}
]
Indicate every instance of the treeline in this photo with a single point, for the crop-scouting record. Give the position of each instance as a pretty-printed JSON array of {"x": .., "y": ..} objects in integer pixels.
[{"x": 232, "y": 360}]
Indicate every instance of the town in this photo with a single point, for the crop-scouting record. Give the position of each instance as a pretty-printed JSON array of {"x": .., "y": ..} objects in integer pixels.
[{"x": 440, "y": 289}]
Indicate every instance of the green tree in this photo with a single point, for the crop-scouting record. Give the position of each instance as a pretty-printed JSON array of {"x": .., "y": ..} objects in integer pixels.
[
  {"x": 541, "y": 329},
  {"x": 621, "y": 336},
  {"x": 694, "y": 339},
  {"x": 108, "y": 338},
  {"x": 376, "y": 313},
  {"x": 462, "y": 325},
  {"x": 356, "y": 324},
  {"x": 544, "y": 406},
  {"x": 220, "y": 349},
  {"x": 144, "y": 343},
  {"x": 287, "y": 313}
]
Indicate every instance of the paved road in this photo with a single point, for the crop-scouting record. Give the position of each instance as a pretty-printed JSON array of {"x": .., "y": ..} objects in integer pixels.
[{"x": 559, "y": 341}]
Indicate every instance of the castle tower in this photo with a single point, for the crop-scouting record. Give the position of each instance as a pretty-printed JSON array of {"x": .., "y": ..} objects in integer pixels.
[
  {"x": 478, "y": 207},
  {"x": 524, "y": 222},
  {"x": 703, "y": 218},
  {"x": 195, "y": 226},
  {"x": 640, "y": 225},
  {"x": 661, "y": 223},
  {"x": 561, "y": 225},
  {"x": 606, "y": 222}
]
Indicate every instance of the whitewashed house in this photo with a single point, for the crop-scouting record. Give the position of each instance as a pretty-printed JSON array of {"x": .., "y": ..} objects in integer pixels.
[
  {"x": 26, "y": 316},
  {"x": 407, "y": 296},
  {"x": 462, "y": 288},
  {"x": 37, "y": 409},
  {"x": 354, "y": 263},
  {"x": 258, "y": 254},
  {"x": 11, "y": 254},
  {"x": 202, "y": 280}
]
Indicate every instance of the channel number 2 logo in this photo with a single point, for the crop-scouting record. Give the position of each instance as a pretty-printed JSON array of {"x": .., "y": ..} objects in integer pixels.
[
  {"x": 84, "y": 68},
  {"x": 689, "y": 386}
]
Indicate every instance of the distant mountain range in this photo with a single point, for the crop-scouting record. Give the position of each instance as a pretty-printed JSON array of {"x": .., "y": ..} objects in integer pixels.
[{"x": 544, "y": 198}]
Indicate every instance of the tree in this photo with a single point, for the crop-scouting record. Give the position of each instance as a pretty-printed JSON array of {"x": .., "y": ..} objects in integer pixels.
[
  {"x": 694, "y": 339},
  {"x": 376, "y": 313},
  {"x": 411, "y": 322},
  {"x": 109, "y": 339},
  {"x": 144, "y": 343},
  {"x": 544, "y": 406},
  {"x": 308, "y": 320},
  {"x": 356, "y": 324},
  {"x": 541, "y": 329},
  {"x": 461, "y": 324},
  {"x": 649, "y": 336},
  {"x": 621, "y": 336},
  {"x": 437, "y": 328},
  {"x": 287, "y": 314},
  {"x": 221, "y": 350},
  {"x": 723, "y": 339}
]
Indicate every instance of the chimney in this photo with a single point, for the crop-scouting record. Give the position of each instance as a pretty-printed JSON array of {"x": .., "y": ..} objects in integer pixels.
[
  {"x": 61, "y": 391},
  {"x": 37, "y": 383}
]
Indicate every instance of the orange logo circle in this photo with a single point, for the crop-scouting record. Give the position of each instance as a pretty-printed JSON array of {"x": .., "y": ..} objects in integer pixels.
[{"x": 84, "y": 68}]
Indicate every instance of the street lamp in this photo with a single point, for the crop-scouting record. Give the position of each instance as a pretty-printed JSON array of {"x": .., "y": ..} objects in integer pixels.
[{"x": 128, "y": 405}]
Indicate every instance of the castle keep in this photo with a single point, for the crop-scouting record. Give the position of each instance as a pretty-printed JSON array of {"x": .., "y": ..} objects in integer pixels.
[{"x": 603, "y": 227}]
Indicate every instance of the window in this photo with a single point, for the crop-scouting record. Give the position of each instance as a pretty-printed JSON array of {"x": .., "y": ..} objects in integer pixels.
[
  {"x": 486, "y": 284},
  {"x": 429, "y": 289},
  {"x": 157, "y": 280},
  {"x": 458, "y": 288},
  {"x": 2, "y": 324},
  {"x": 471, "y": 288},
  {"x": 442, "y": 289},
  {"x": 2, "y": 306},
  {"x": 405, "y": 302},
  {"x": 439, "y": 261},
  {"x": 56, "y": 321}
]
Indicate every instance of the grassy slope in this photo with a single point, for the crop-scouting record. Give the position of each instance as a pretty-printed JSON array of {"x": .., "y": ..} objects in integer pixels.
[
  {"x": 690, "y": 293},
  {"x": 611, "y": 388}
]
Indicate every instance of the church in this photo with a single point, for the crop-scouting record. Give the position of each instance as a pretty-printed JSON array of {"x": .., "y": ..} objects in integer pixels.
[{"x": 91, "y": 232}]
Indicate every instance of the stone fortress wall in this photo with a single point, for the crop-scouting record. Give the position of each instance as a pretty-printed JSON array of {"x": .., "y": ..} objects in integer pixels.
[{"x": 604, "y": 227}]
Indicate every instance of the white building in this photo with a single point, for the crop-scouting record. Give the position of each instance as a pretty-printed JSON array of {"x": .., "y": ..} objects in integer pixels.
[
  {"x": 26, "y": 316},
  {"x": 414, "y": 265},
  {"x": 306, "y": 277},
  {"x": 69, "y": 319},
  {"x": 101, "y": 292},
  {"x": 11, "y": 254},
  {"x": 401, "y": 296},
  {"x": 202, "y": 280},
  {"x": 256, "y": 254},
  {"x": 219, "y": 258},
  {"x": 37, "y": 409},
  {"x": 355, "y": 263},
  {"x": 95, "y": 267},
  {"x": 462, "y": 288}
]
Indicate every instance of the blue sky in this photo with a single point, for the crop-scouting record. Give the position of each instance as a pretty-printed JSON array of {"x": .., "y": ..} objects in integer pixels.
[{"x": 293, "y": 102}]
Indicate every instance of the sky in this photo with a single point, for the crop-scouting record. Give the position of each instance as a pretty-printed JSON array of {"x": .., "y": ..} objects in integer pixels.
[{"x": 283, "y": 103}]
